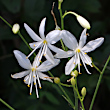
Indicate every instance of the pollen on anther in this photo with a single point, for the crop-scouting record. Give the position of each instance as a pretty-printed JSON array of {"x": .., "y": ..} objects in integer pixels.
[
  {"x": 34, "y": 45},
  {"x": 34, "y": 76},
  {"x": 92, "y": 66},
  {"x": 26, "y": 57},
  {"x": 44, "y": 54},
  {"x": 28, "y": 85},
  {"x": 80, "y": 73},
  {"x": 30, "y": 94},
  {"x": 34, "y": 83},
  {"x": 24, "y": 80},
  {"x": 40, "y": 87},
  {"x": 85, "y": 53},
  {"x": 80, "y": 64},
  {"x": 73, "y": 62},
  {"x": 40, "y": 61}
]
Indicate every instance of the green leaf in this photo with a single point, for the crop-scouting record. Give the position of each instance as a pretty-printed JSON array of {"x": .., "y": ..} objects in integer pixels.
[{"x": 12, "y": 5}]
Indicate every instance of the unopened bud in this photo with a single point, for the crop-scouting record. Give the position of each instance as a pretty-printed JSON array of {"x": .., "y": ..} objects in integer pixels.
[
  {"x": 60, "y": 1},
  {"x": 73, "y": 82},
  {"x": 74, "y": 73},
  {"x": 56, "y": 80},
  {"x": 83, "y": 22},
  {"x": 15, "y": 28},
  {"x": 83, "y": 91}
]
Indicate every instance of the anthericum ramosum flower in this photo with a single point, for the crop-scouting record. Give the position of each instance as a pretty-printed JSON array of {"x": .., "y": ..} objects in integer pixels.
[
  {"x": 79, "y": 51},
  {"x": 15, "y": 28},
  {"x": 44, "y": 43},
  {"x": 33, "y": 71}
]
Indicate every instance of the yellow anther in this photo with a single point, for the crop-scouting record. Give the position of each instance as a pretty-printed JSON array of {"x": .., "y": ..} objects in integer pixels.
[
  {"x": 40, "y": 87},
  {"x": 92, "y": 66},
  {"x": 44, "y": 54},
  {"x": 78, "y": 50},
  {"x": 87, "y": 64},
  {"x": 34, "y": 83},
  {"x": 34, "y": 76},
  {"x": 85, "y": 53},
  {"x": 45, "y": 42},
  {"x": 80, "y": 73},
  {"x": 30, "y": 94},
  {"x": 34, "y": 45},
  {"x": 73, "y": 62},
  {"x": 87, "y": 34},
  {"x": 36, "y": 66},
  {"x": 24, "y": 80},
  {"x": 80, "y": 64},
  {"x": 40, "y": 61},
  {"x": 33, "y": 69},
  {"x": 26, "y": 57},
  {"x": 28, "y": 85}
]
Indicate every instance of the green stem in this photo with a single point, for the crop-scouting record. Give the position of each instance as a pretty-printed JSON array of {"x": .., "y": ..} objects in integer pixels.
[
  {"x": 96, "y": 67},
  {"x": 76, "y": 97},
  {"x": 6, "y": 104},
  {"x": 98, "y": 83},
  {"x": 66, "y": 85},
  {"x": 69, "y": 100},
  {"x": 70, "y": 12}
]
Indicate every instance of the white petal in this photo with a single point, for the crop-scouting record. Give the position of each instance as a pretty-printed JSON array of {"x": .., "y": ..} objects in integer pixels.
[
  {"x": 36, "y": 44},
  {"x": 53, "y": 36},
  {"x": 64, "y": 55},
  {"x": 69, "y": 39},
  {"x": 83, "y": 38},
  {"x": 55, "y": 49},
  {"x": 46, "y": 65},
  {"x": 69, "y": 66},
  {"x": 20, "y": 74},
  {"x": 21, "y": 58},
  {"x": 49, "y": 56},
  {"x": 42, "y": 28},
  {"x": 32, "y": 34},
  {"x": 92, "y": 45},
  {"x": 44, "y": 77}
]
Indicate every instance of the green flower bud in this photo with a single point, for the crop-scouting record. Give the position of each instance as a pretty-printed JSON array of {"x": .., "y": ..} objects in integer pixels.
[
  {"x": 56, "y": 80},
  {"x": 15, "y": 28},
  {"x": 74, "y": 73},
  {"x": 73, "y": 82},
  {"x": 83, "y": 91},
  {"x": 60, "y": 1}
]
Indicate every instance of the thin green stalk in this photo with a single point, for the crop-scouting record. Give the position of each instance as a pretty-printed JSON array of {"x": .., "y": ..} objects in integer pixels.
[
  {"x": 69, "y": 100},
  {"x": 96, "y": 67},
  {"x": 66, "y": 85},
  {"x": 6, "y": 104},
  {"x": 76, "y": 97},
  {"x": 98, "y": 83}
]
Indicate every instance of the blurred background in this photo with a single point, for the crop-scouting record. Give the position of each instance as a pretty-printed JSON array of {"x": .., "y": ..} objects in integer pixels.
[{"x": 14, "y": 91}]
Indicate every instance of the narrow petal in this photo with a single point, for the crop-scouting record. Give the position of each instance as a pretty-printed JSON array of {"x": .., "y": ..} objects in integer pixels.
[
  {"x": 44, "y": 77},
  {"x": 48, "y": 55},
  {"x": 42, "y": 28},
  {"x": 32, "y": 34},
  {"x": 69, "y": 66},
  {"x": 21, "y": 58},
  {"x": 64, "y": 55},
  {"x": 20, "y": 74},
  {"x": 55, "y": 49},
  {"x": 53, "y": 36},
  {"x": 36, "y": 44},
  {"x": 92, "y": 45},
  {"x": 46, "y": 65},
  {"x": 69, "y": 40},
  {"x": 83, "y": 38}
]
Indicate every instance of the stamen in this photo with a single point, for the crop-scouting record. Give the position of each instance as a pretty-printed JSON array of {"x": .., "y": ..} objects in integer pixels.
[
  {"x": 45, "y": 42},
  {"x": 40, "y": 87},
  {"x": 80, "y": 64},
  {"x": 30, "y": 94},
  {"x": 24, "y": 80},
  {"x": 34, "y": 83},
  {"x": 78, "y": 50},
  {"x": 87, "y": 34},
  {"x": 34, "y": 45},
  {"x": 28, "y": 85},
  {"x": 33, "y": 69},
  {"x": 80, "y": 73},
  {"x": 92, "y": 66},
  {"x": 44, "y": 54},
  {"x": 85, "y": 53},
  {"x": 33, "y": 76}
]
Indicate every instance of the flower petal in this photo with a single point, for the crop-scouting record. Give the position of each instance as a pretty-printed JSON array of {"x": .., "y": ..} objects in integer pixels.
[
  {"x": 55, "y": 49},
  {"x": 42, "y": 28},
  {"x": 46, "y": 65},
  {"x": 48, "y": 55},
  {"x": 92, "y": 45},
  {"x": 44, "y": 77},
  {"x": 69, "y": 66},
  {"x": 21, "y": 58},
  {"x": 36, "y": 44},
  {"x": 32, "y": 34},
  {"x": 83, "y": 38},
  {"x": 64, "y": 55},
  {"x": 69, "y": 40},
  {"x": 20, "y": 74},
  {"x": 53, "y": 36}
]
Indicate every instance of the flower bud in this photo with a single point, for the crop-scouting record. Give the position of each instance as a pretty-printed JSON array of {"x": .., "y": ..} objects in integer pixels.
[
  {"x": 83, "y": 22},
  {"x": 60, "y": 1},
  {"x": 73, "y": 82},
  {"x": 83, "y": 91},
  {"x": 74, "y": 73},
  {"x": 56, "y": 80},
  {"x": 15, "y": 28}
]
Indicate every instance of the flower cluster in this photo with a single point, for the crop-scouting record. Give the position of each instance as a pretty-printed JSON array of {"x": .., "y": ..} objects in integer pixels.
[{"x": 45, "y": 43}]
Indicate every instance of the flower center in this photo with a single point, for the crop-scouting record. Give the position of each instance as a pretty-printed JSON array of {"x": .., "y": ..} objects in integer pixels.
[
  {"x": 78, "y": 50},
  {"x": 33, "y": 69},
  {"x": 45, "y": 42}
]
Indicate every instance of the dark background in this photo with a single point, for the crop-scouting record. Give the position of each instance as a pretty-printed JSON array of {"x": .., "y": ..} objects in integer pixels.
[{"x": 14, "y": 91}]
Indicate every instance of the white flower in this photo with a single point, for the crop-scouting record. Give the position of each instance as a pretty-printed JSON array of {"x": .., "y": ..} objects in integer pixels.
[
  {"x": 44, "y": 43},
  {"x": 79, "y": 51},
  {"x": 33, "y": 71}
]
